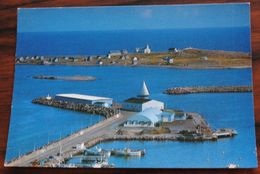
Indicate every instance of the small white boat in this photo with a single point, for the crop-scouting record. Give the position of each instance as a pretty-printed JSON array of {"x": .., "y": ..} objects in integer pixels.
[
  {"x": 103, "y": 152},
  {"x": 232, "y": 166},
  {"x": 103, "y": 164}
]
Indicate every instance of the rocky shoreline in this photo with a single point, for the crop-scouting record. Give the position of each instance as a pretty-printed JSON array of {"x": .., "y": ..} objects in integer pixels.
[
  {"x": 207, "y": 89},
  {"x": 90, "y": 109}
]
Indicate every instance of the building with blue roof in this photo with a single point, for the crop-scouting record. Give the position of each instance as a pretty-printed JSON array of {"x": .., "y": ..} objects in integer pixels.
[{"x": 147, "y": 118}]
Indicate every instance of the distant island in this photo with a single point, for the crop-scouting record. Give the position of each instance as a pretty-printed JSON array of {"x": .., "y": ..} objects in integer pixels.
[
  {"x": 178, "y": 58},
  {"x": 69, "y": 78},
  {"x": 207, "y": 89}
]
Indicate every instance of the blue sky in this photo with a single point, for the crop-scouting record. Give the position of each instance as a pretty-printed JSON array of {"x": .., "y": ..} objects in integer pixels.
[{"x": 133, "y": 17}]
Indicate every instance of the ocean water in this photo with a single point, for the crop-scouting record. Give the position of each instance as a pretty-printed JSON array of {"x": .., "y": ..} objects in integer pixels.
[
  {"x": 33, "y": 125},
  {"x": 101, "y": 42}
]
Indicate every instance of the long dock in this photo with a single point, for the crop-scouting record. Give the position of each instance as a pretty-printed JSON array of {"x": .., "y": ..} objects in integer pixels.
[{"x": 105, "y": 127}]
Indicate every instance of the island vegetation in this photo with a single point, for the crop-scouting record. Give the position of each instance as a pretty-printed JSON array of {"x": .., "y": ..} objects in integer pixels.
[{"x": 184, "y": 58}]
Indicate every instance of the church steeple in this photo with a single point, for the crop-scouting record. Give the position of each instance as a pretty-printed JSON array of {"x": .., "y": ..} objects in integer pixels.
[
  {"x": 147, "y": 50},
  {"x": 144, "y": 93}
]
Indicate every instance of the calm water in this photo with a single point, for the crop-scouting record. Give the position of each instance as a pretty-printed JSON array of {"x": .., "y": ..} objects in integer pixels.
[
  {"x": 33, "y": 125},
  {"x": 97, "y": 42}
]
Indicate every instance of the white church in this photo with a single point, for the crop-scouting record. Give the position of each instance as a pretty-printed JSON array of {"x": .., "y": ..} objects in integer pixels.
[{"x": 145, "y": 50}]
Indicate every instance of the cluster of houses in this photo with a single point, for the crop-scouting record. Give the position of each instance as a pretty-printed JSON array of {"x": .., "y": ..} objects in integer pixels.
[
  {"x": 123, "y": 54},
  {"x": 149, "y": 111},
  {"x": 26, "y": 58},
  {"x": 99, "y": 60},
  {"x": 45, "y": 59}
]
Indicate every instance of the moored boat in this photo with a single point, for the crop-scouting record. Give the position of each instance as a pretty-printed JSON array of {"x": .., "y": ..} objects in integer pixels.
[{"x": 127, "y": 152}]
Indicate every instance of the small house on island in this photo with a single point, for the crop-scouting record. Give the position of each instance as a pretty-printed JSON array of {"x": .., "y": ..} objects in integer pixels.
[
  {"x": 134, "y": 61},
  {"x": 114, "y": 53},
  {"x": 204, "y": 58},
  {"x": 173, "y": 50},
  {"x": 85, "y": 99},
  {"x": 168, "y": 60},
  {"x": 124, "y": 51}
]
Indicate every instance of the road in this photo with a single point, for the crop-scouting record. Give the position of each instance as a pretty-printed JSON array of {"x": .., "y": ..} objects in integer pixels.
[{"x": 102, "y": 128}]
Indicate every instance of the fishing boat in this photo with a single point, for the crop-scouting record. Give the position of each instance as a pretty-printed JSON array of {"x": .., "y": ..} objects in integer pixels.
[
  {"x": 103, "y": 164},
  {"x": 104, "y": 152},
  {"x": 127, "y": 152},
  {"x": 97, "y": 152}
]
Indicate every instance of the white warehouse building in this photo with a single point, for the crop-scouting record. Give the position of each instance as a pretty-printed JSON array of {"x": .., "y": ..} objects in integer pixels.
[{"x": 85, "y": 99}]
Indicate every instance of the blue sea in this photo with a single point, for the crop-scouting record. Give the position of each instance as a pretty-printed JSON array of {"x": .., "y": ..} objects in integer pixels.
[
  {"x": 101, "y": 42},
  {"x": 34, "y": 125}
]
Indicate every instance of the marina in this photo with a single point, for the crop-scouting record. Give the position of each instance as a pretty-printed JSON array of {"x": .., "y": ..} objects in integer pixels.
[
  {"x": 146, "y": 117},
  {"x": 123, "y": 138}
]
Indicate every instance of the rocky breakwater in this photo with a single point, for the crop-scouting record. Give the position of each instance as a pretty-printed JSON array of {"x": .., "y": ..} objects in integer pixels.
[
  {"x": 90, "y": 109},
  {"x": 207, "y": 89},
  {"x": 66, "y": 78}
]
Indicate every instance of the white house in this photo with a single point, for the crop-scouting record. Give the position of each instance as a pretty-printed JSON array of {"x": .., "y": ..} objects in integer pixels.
[
  {"x": 204, "y": 58},
  {"x": 142, "y": 102},
  {"x": 167, "y": 116},
  {"x": 170, "y": 115},
  {"x": 135, "y": 61},
  {"x": 114, "y": 53},
  {"x": 21, "y": 59},
  {"x": 138, "y": 104},
  {"x": 56, "y": 60}
]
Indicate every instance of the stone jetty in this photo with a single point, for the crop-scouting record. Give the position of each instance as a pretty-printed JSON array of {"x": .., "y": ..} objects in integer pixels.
[
  {"x": 66, "y": 78},
  {"x": 207, "y": 89},
  {"x": 90, "y": 109}
]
